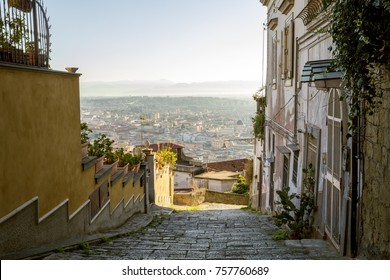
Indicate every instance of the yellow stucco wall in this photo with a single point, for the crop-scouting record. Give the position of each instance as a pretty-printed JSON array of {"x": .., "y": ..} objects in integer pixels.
[
  {"x": 127, "y": 192},
  {"x": 116, "y": 194},
  {"x": 137, "y": 189},
  {"x": 40, "y": 140}
]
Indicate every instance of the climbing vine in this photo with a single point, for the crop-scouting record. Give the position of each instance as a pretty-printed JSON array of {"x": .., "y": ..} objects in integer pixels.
[
  {"x": 361, "y": 33},
  {"x": 298, "y": 219},
  {"x": 258, "y": 121}
]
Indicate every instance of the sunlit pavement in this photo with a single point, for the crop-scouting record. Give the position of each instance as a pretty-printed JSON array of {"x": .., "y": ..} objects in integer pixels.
[{"x": 212, "y": 231}]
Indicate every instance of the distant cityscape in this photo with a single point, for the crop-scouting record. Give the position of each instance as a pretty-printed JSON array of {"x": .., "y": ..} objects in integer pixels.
[{"x": 210, "y": 129}]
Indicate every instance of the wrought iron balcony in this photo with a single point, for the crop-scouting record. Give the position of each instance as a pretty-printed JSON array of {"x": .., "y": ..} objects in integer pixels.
[{"x": 24, "y": 33}]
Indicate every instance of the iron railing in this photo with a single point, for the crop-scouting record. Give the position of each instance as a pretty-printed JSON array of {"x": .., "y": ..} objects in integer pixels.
[{"x": 24, "y": 33}]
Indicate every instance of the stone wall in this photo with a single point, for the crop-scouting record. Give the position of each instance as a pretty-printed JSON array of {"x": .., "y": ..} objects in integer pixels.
[
  {"x": 197, "y": 197},
  {"x": 375, "y": 214},
  {"x": 193, "y": 198},
  {"x": 227, "y": 198}
]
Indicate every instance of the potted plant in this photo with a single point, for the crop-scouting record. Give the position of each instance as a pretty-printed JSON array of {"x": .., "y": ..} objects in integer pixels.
[
  {"x": 111, "y": 158},
  {"x": 13, "y": 33},
  {"x": 30, "y": 52},
  {"x": 138, "y": 157},
  {"x": 84, "y": 135},
  {"x": 99, "y": 148},
  {"x": 124, "y": 160},
  {"x": 136, "y": 162},
  {"x": 22, "y": 5},
  {"x": 5, "y": 44}
]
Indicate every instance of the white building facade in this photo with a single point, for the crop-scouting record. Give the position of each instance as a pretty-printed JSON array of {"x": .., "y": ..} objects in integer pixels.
[{"x": 306, "y": 123}]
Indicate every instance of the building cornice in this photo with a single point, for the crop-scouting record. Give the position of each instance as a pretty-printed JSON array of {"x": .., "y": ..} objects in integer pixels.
[
  {"x": 272, "y": 23},
  {"x": 286, "y": 6},
  {"x": 311, "y": 11},
  {"x": 264, "y": 2}
]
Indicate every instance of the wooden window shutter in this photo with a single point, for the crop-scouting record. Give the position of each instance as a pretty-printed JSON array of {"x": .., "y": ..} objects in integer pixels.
[
  {"x": 289, "y": 51},
  {"x": 274, "y": 63}
]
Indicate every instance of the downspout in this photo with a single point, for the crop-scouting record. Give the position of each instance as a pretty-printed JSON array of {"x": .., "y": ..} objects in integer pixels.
[
  {"x": 355, "y": 181},
  {"x": 264, "y": 85},
  {"x": 296, "y": 90}
]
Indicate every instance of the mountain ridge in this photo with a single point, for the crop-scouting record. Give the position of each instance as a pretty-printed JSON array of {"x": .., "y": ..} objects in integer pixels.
[{"x": 166, "y": 87}]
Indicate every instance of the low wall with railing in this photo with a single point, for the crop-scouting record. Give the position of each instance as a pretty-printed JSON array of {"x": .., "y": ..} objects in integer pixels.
[{"x": 48, "y": 191}]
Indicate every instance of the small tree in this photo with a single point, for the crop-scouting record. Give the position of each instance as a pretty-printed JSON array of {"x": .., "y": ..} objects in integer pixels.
[
  {"x": 166, "y": 156},
  {"x": 240, "y": 186}
]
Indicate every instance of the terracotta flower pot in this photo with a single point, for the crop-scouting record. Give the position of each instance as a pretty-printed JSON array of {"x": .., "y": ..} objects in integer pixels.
[
  {"x": 124, "y": 168},
  {"x": 114, "y": 167},
  {"x": 99, "y": 164},
  {"x": 136, "y": 168},
  {"x": 84, "y": 150}
]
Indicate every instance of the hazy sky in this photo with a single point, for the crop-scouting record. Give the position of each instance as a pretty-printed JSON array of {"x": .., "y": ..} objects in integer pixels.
[{"x": 178, "y": 40}]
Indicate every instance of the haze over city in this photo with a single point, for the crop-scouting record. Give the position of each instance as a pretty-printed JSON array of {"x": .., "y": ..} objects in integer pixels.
[{"x": 151, "y": 40}]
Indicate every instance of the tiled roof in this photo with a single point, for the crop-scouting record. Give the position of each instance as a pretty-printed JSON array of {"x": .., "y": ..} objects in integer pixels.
[
  {"x": 230, "y": 165},
  {"x": 218, "y": 175}
]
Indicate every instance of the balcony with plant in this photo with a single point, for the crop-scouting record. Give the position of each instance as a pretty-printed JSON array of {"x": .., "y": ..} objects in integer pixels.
[{"x": 24, "y": 36}]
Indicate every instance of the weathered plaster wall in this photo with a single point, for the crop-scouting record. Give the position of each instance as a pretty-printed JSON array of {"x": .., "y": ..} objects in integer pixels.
[
  {"x": 193, "y": 198},
  {"x": 164, "y": 187},
  {"x": 375, "y": 215}
]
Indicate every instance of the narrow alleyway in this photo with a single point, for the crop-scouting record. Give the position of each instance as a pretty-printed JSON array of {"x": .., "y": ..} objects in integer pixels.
[{"x": 216, "y": 231}]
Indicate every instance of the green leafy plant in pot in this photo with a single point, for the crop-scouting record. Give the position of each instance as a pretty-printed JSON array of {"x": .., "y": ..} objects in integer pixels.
[
  {"x": 100, "y": 147},
  {"x": 84, "y": 135}
]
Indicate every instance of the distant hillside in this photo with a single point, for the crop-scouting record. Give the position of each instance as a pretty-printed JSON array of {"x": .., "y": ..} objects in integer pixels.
[{"x": 168, "y": 88}]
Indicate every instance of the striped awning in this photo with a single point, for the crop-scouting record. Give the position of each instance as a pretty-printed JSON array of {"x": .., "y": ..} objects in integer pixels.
[{"x": 321, "y": 73}]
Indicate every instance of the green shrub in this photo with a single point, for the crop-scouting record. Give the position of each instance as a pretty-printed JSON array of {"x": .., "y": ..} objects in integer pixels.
[
  {"x": 240, "y": 187},
  {"x": 298, "y": 219}
]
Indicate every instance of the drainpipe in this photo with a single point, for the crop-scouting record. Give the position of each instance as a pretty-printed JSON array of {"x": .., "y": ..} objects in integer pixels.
[
  {"x": 296, "y": 91},
  {"x": 355, "y": 185}
]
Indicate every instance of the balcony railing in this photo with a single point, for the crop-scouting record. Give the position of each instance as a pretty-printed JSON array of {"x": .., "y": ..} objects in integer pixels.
[{"x": 24, "y": 33}]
